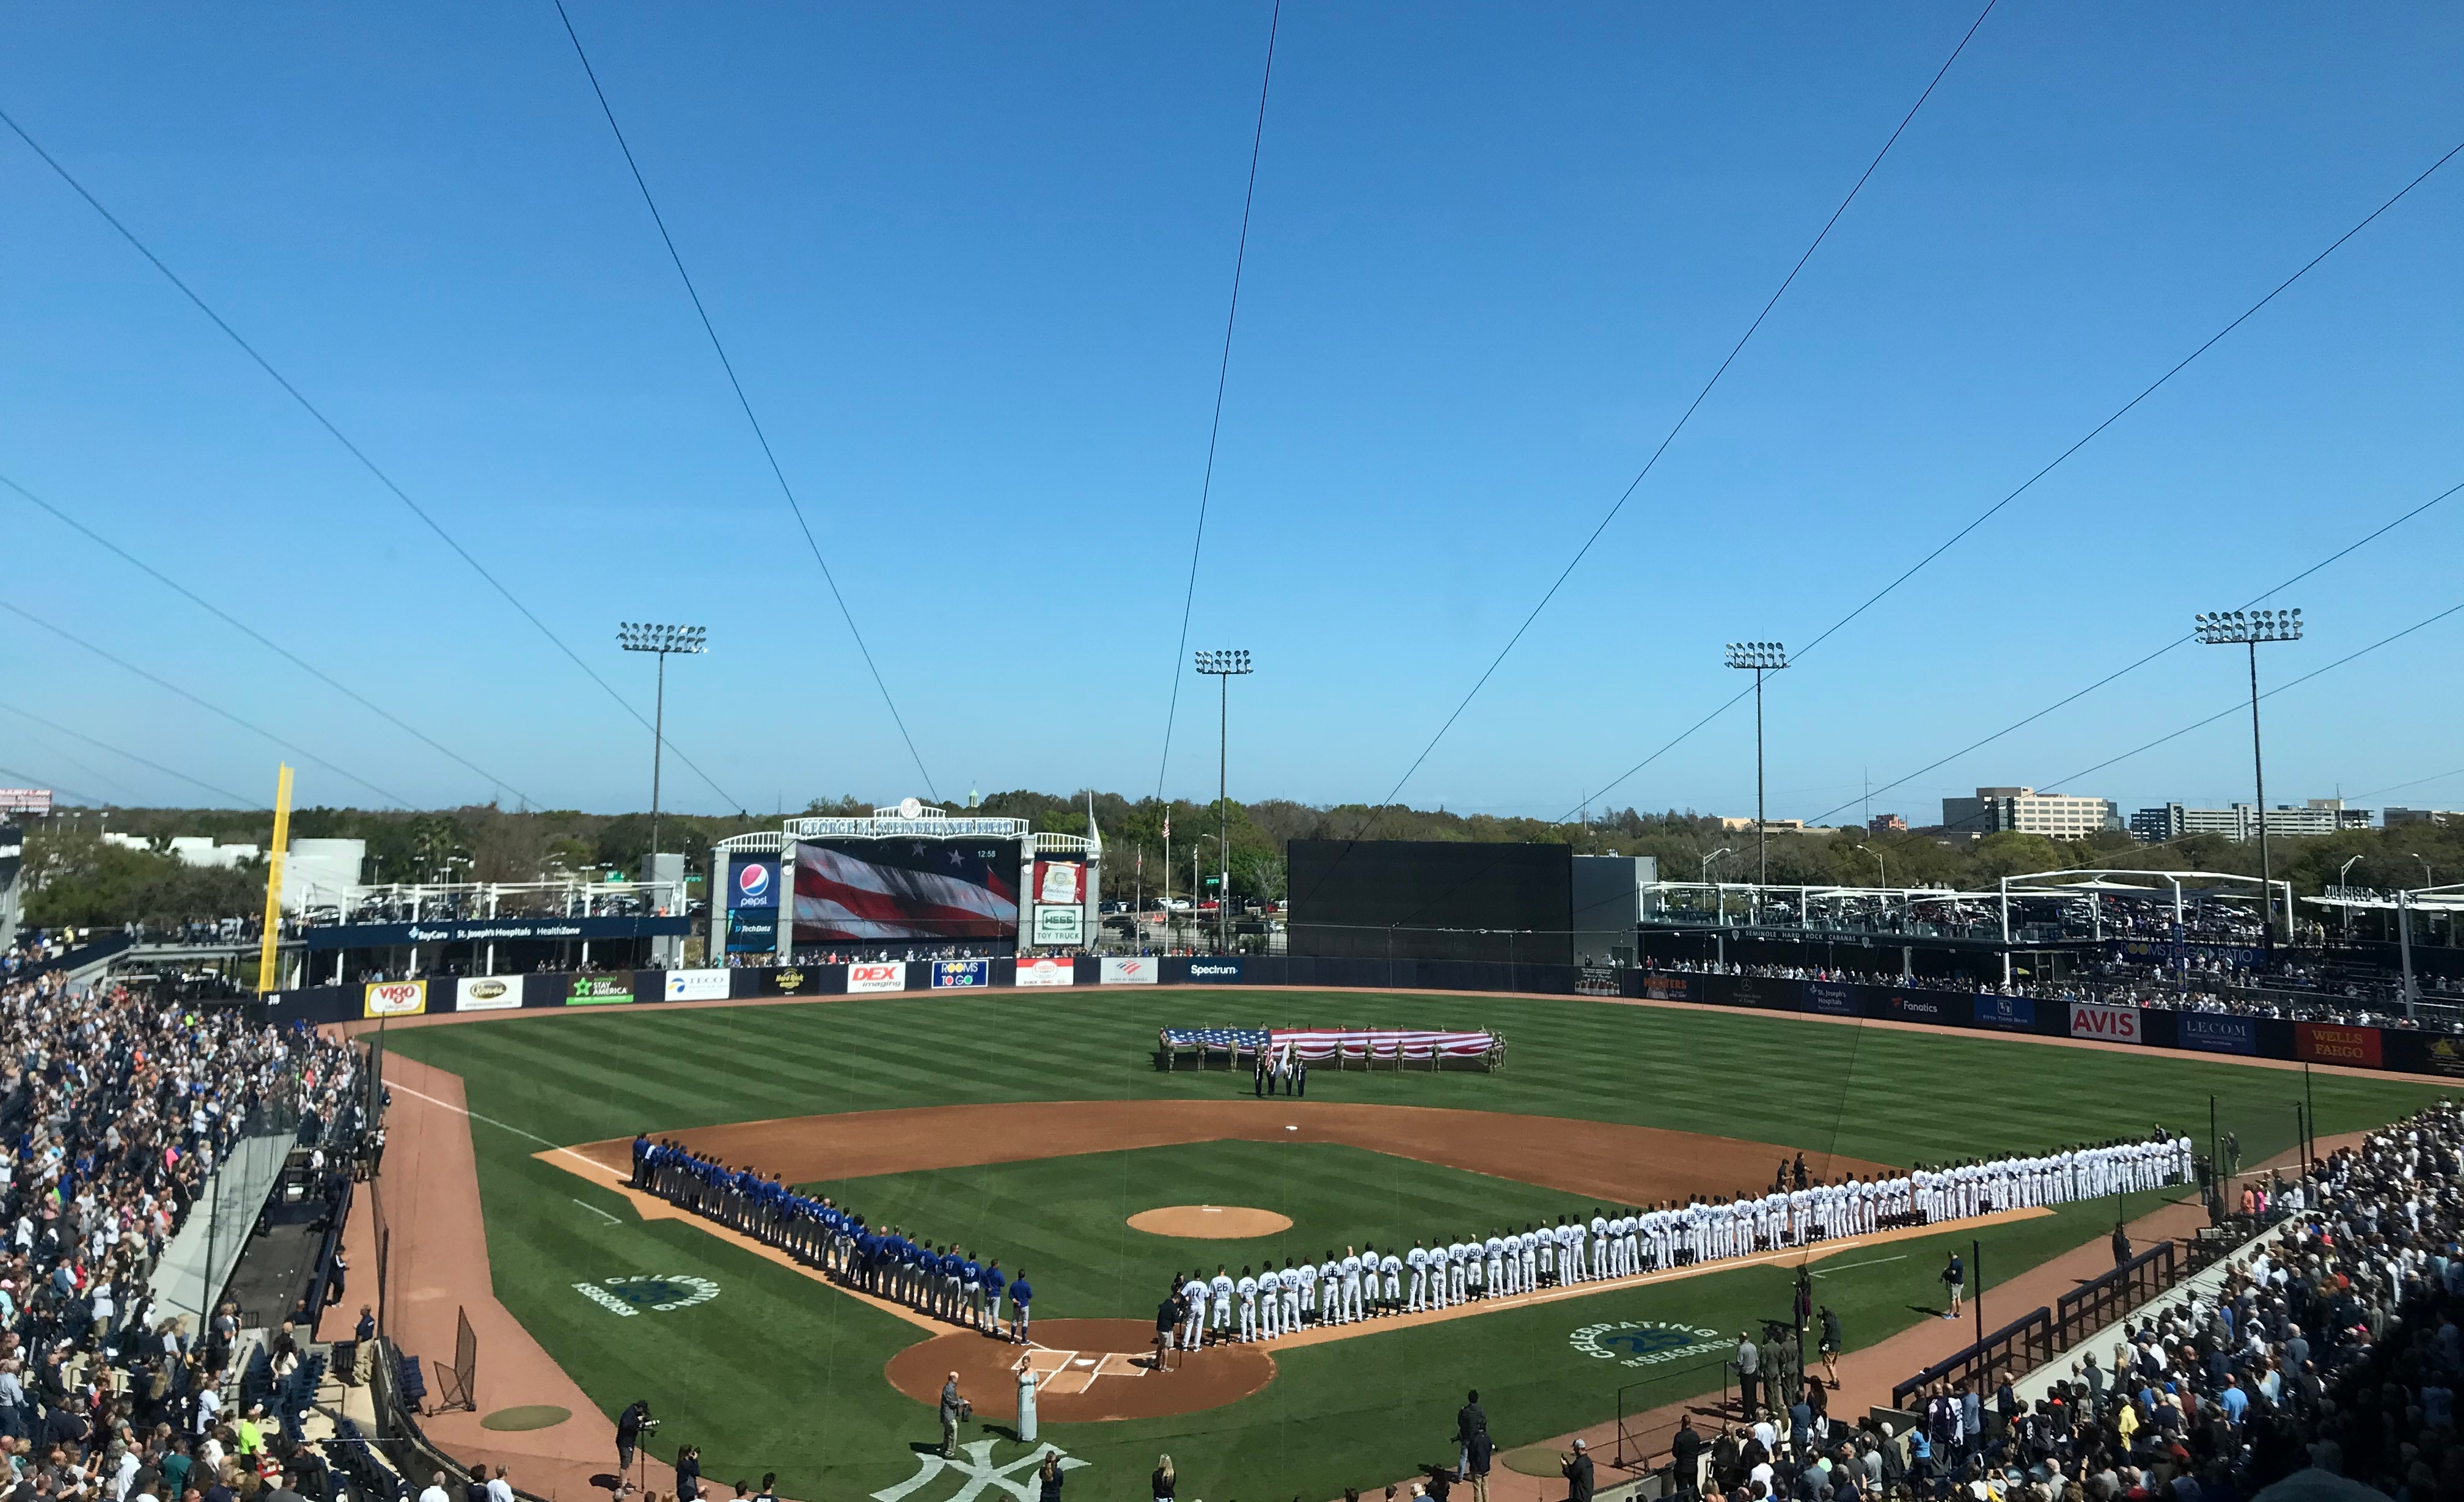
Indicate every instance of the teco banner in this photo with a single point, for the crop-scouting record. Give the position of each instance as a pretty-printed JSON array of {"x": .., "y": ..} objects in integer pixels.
[
  {"x": 2321, "y": 1043},
  {"x": 487, "y": 993},
  {"x": 1135, "y": 970},
  {"x": 395, "y": 998},
  {"x": 890, "y": 976},
  {"x": 1047, "y": 972},
  {"x": 2112, "y": 1024},
  {"x": 696, "y": 985}
]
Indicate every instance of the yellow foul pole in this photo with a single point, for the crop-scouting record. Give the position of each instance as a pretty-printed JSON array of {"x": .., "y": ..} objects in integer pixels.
[{"x": 266, "y": 951}]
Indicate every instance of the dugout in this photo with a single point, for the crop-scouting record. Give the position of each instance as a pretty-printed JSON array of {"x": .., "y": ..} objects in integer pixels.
[{"x": 1432, "y": 899}]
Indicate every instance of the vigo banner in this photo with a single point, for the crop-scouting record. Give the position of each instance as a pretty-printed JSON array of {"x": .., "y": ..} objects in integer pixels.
[
  {"x": 882, "y": 976},
  {"x": 2111, "y": 1024},
  {"x": 395, "y": 998}
]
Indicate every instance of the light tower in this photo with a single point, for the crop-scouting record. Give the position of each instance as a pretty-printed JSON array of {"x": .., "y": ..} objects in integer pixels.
[
  {"x": 642, "y": 636},
  {"x": 1761, "y": 657},
  {"x": 1223, "y": 667},
  {"x": 2248, "y": 629}
]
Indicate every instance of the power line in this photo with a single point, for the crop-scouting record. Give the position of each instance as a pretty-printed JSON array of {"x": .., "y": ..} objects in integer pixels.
[
  {"x": 2117, "y": 415},
  {"x": 123, "y": 663},
  {"x": 240, "y": 799},
  {"x": 1378, "y": 812},
  {"x": 741, "y": 400},
  {"x": 2269, "y": 694},
  {"x": 322, "y": 421},
  {"x": 258, "y": 637},
  {"x": 31, "y": 779},
  {"x": 2142, "y": 662},
  {"x": 1222, "y": 375}
]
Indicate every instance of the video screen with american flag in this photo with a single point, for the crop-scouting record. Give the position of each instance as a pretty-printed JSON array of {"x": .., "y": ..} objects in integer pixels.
[{"x": 859, "y": 891}]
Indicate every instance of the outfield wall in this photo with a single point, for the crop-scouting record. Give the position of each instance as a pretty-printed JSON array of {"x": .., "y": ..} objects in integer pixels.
[{"x": 2396, "y": 1049}]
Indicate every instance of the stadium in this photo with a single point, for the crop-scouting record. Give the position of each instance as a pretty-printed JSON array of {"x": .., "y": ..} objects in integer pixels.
[{"x": 427, "y": 1075}]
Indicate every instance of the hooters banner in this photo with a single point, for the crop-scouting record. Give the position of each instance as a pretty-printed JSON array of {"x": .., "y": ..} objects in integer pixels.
[{"x": 2110, "y": 1024}]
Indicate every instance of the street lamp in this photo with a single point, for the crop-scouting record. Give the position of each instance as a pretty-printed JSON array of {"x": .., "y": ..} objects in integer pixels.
[
  {"x": 1880, "y": 864},
  {"x": 2341, "y": 873},
  {"x": 1223, "y": 667},
  {"x": 2248, "y": 629},
  {"x": 1709, "y": 859},
  {"x": 1761, "y": 657},
  {"x": 2428, "y": 873},
  {"x": 642, "y": 636}
]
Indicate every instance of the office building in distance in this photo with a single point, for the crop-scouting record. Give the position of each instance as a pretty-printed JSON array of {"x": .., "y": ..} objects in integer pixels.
[{"x": 2024, "y": 810}]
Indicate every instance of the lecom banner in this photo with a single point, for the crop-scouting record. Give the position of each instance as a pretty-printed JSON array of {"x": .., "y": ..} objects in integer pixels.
[
  {"x": 2112, "y": 1024},
  {"x": 890, "y": 976}
]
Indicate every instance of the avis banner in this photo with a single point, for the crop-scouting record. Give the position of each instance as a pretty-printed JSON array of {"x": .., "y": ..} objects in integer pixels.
[{"x": 2111, "y": 1024}]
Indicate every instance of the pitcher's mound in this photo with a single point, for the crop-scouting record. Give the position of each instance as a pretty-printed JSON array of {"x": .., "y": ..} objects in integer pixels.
[
  {"x": 1086, "y": 1370},
  {"x": 1209, "y": 1222}
]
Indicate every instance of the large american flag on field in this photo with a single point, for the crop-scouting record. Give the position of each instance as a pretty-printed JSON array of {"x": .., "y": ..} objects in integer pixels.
[
  {"x": 906, "y": 888},
  {"x": 1237, "y": 1040},
  {"x": 1379, "y": 1043}
]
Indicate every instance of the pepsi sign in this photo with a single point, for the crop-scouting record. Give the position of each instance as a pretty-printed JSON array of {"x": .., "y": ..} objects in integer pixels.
[{"x": 753, "y": 884}]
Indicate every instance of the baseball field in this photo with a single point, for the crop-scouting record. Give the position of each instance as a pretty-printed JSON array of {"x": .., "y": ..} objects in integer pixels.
[{"x": 1032, "y": 1127}]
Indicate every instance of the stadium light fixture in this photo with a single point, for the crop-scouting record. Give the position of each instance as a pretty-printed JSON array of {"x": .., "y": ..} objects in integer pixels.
[
  {"x": 2247, "y": 628},
  {"x": 1223, "y": 667},
  {"x": 1759, "y": 659},
  {"x": 665, "y": 640}
]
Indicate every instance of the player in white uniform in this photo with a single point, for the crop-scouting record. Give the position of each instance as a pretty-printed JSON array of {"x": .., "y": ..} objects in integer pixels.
[
  {"x": 1295, "y": 1286},
  {"x": 1305, "y": 1275},
  {"x": 1527, "y": 1250},
  {"x": 1329, "y": 1293},
  {"x": 1418, "y": 1260},
  {"x": 1271, "y": 1302},
  {"x": 1391, "y": 1267},
  {"x": 1248, "y": 1288},
  {"x": 1599, "y": 1244},
  {"x": 1194, "y": 1292},
  {"x": 1454, "y": 1255},
  {"x": 1351, "y": 1265},
  {"x": 1492, "y": 1281},
  {"x": 1221, "y": 1288}
]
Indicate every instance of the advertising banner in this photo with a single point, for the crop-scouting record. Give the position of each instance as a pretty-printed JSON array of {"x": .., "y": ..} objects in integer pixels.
[
  {"x": 890, "y": 975},
  {"x": 2320, "y": 1043},
  {"x": 1668, "y": 987},
  {"x": 961, "y": 975},
  {"x": 1935, "y": 1006},
  {"x": 2112, "y": 1024},
  {"x": 1047, "y": 972},
  {"x": 796, "y": 980},
  {"x": 487, "y": 993},
  {"x": 696, "y": 985},
  {"x": 1217, "y": 971},
  {"x": 1830, "y": 999},
  {"x": 1132, "y": 970},
  {"x": 598, "y": 990},
  {"x": 753, "y": 882},
  {"x": 395, "y": 998},
  {"x": 1061, "y": 883},
  {"x": 1059, "y": 925},
  {"x": 2431, "y": 1053},
  {"x": 2015, "y": 1013},
  {"x": 2214, "y": 1033},
  {"x": 752, "y": 931},
  {"x": 866, "y": 891}
]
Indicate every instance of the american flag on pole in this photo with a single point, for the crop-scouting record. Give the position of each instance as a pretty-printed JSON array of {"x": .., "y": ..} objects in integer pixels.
[{"x": 1379, "y": 1043}]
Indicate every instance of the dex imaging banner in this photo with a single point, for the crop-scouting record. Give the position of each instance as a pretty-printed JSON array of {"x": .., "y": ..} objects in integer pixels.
[
  {"x": 2111, "y": 1024},
  {"x": 1130, "y": 970},
  {"x": 886, "y": 976},
  {"x": 488, "y": 993},
  {"x": 696, "y": 985},
  {"x": 394, "y": 999}
]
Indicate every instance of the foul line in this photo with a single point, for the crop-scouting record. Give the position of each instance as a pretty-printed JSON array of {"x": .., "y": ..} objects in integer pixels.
[
  {"x": 1853, "y": 1265},
  {"x": 596, "y": 1210},
  {"x": 505, "y": 1126}
]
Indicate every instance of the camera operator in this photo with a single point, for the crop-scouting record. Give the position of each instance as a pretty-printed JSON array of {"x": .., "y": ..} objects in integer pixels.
[{"x": 631, "y": 1425}]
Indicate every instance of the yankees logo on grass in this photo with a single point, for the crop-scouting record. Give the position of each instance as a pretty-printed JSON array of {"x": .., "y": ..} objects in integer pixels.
[
  {"x": 976, "y": 1473},
  {"x": 1643, "y": 1342},
  {"x": 658, "y": 1294}
]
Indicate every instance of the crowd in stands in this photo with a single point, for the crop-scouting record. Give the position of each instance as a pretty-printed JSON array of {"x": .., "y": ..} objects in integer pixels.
[
  {"x": 2338, "y": 1345},
  {"x": 2113, "y": 985},
  {"x": 114, "y": 1109}
]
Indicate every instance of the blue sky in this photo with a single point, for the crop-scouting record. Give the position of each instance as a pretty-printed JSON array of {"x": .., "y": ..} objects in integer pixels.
[{"x": 971, "y": 265}]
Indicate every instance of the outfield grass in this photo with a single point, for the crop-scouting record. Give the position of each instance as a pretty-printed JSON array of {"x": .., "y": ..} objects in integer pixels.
[{"x": 778, "y": 1373}]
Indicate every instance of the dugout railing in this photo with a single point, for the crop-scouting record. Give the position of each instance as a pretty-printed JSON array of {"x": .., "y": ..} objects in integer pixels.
[
  {"x": 1649, "y": 1412},
  {"x": 2022, "y": 1345},
  {"x": 2100, "y": 1301}
]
